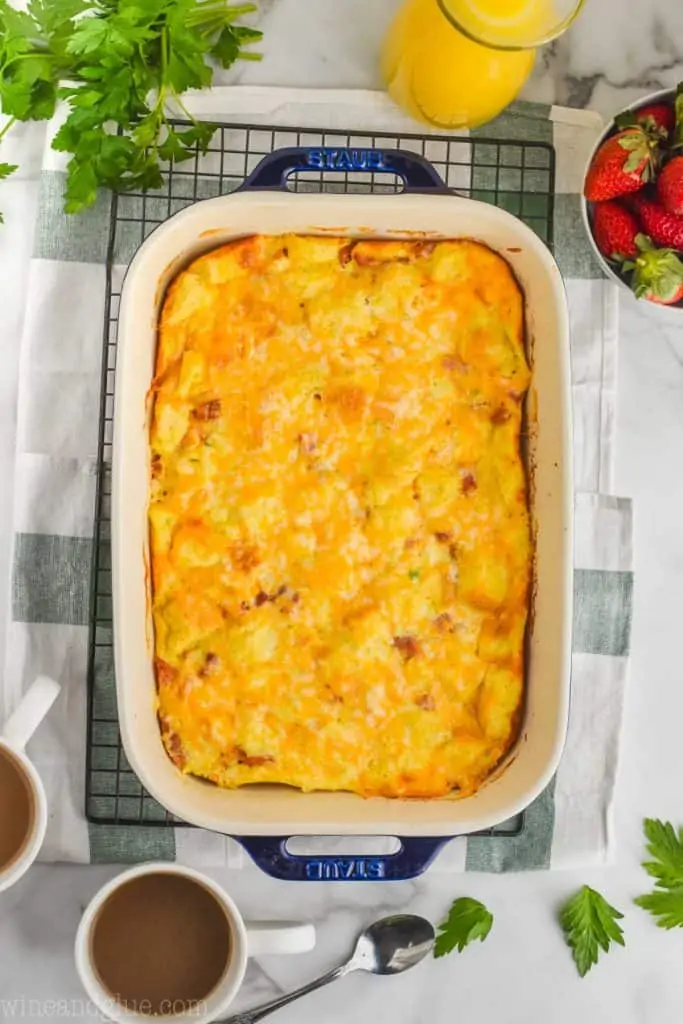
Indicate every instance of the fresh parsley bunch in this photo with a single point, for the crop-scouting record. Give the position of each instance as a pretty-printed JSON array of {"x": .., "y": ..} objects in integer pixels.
[{"x": 117, "y": 63}]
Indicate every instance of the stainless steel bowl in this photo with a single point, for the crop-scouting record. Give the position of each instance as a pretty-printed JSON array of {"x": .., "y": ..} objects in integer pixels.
[{"x": 661, "y": 96}]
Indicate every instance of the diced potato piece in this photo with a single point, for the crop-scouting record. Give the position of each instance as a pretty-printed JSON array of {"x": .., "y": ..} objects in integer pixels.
[
  {"x": 483, "y": 579},
  {"x": 187, "y": 295},
  {"x": 187, "y": 618},
  {"x": 171, "y": 420},
  {"x": 438, "y": 491},
  {"x": 312, "y": 250},
  {"x": 162, "y": 518},
  {"x": 449, "y": 263},
  {"x": 499, "y": 697},
  {"x": 192, "y": 373},
  {"x": 256, "y": 642},
  {"x": 501, "y": 638},
  {"x": 195, "y": 545}
]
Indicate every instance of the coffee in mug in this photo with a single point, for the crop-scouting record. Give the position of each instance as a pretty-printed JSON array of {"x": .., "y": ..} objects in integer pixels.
[
  {"x": 23, "y": 803},
  {"x": 17, "y": 808},
  {"x": 162, "y": 942}
]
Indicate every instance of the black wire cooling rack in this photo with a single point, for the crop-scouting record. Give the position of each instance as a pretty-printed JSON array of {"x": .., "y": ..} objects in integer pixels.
[{"x": 516, "y": 176}]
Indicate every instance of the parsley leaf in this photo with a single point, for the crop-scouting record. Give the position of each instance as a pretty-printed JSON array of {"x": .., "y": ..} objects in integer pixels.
[
  {"x": 173, "y": 148},
  {"x": 89, "y": 35},
  {"x": 226, "y": 48},
  {"x": 5, "y": 171},
  {"x": 467, "y": 920},
  {"x": 664, "y": 905},
  {"x": 667, "y": 848},
  {"x": 50, "y": 15},
  {"x": 589, "y": 924},
  {"x": 665, "y": 845}
]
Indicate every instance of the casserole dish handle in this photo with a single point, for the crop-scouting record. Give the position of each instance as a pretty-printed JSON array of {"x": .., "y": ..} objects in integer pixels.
[
  {"x": 273, "y": 171},
  {"x": 270, "y": 853}
]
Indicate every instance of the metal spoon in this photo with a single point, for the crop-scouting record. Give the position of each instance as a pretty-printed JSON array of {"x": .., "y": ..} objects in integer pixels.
[{"x": 389, "y": 946}]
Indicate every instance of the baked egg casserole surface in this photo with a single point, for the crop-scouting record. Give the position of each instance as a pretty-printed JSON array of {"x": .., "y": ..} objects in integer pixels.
[{"x": 340, "y": 538}]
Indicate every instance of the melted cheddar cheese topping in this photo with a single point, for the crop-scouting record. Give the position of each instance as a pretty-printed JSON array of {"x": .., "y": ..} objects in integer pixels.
[{"x": 340, "y": 539}]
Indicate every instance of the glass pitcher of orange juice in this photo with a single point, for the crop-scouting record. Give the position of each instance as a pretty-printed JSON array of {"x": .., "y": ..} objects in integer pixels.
[{"x": 458, "y": 63}]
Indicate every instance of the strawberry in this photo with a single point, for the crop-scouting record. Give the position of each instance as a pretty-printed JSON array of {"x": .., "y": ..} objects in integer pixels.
[
  {"x": 670, "y": 186},
  {"x": 663, "y": 227},
  {"x": 670, "y": 301},
  {"x": 657, "y": 273},
  {"x": 657, "y": 117},
  {"x": 615, "y": 230},
  {"x": 622, "y": 164}
]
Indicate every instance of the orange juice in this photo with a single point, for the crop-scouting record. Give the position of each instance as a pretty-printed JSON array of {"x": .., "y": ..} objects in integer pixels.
[{"x": 458, "y": 63}]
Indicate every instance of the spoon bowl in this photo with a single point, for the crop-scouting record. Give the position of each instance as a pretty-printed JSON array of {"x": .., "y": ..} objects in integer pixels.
[{"x": 393, "y": 944}]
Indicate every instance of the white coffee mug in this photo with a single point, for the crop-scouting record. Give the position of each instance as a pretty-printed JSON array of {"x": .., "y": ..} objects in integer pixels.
[
  {"x": 14, "y": 736},
  {"x": 246, "y": 940}
]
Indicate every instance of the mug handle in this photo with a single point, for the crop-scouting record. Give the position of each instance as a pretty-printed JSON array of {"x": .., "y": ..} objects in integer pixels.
[
  {"x": 37, "y": 701},
  {"x": 264, "y": 939}
]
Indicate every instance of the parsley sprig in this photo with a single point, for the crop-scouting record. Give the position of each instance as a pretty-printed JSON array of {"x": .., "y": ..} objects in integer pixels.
[
  {"x": 665, "y": 846},
  {"x": 118, "y": 64},
  {"x": 467, "y": 920}
]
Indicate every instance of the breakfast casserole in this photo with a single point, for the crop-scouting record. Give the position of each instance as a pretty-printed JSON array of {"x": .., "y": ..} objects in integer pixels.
[{"x": 340, "y": 537}]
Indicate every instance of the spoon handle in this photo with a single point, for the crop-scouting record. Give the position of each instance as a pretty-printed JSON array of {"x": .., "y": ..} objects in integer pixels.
[{"x": 252, "y": 1016}]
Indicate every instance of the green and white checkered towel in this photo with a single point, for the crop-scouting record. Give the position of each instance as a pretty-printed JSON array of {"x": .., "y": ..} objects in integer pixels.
[{"x": 55, "y": 484}]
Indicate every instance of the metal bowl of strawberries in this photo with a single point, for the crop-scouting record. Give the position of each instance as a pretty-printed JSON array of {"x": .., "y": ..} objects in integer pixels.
[{"x": 633, "y": 198}]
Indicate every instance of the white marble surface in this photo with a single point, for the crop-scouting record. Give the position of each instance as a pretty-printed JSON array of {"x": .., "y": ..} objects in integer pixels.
[{"x": 522, "y": 974}]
